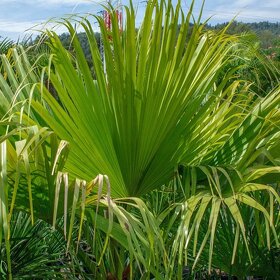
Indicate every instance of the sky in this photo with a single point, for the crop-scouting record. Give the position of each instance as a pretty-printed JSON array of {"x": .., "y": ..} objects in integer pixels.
[{"x": 18, "y": 18}]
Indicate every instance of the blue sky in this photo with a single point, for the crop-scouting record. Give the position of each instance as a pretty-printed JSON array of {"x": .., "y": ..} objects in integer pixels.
[{"x": 17, "y": 16}]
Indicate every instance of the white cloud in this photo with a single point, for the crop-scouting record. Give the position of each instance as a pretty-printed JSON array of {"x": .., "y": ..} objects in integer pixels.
[
  {"x": 51, "y": 2},
  {"x": 271, "y": 4},
  {"x": 246, "y": 10},
  {"x": 11, "y": 26},
  {"x": 30, "y": 27},
  {"x": 17, "y": 16},
  {"x": 242, "y": 3},
  {"x": 250, "y": 5},
  {"x": 25, "y": 28}
]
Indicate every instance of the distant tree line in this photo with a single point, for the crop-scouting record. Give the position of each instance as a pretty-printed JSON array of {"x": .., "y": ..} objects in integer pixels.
[{"x": 267, "y": 33}]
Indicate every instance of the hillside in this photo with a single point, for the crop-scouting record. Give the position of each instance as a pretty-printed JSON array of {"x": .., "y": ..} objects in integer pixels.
[{"x": 268, "y": 33}]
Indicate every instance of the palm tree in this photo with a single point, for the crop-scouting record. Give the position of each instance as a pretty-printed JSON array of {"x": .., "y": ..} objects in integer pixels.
[{"x": 165, "y": 113}]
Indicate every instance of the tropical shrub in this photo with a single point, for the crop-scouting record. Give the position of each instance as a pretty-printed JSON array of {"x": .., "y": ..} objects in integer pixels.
[{"x": 190, "y": 161}]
